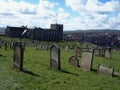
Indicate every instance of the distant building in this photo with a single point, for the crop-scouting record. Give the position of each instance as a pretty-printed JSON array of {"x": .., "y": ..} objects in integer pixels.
[
  {"x": 15, "y": 32},
  {"x": 55, "y": 33}
]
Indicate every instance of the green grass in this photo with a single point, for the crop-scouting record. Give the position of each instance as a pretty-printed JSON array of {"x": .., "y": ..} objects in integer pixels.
[{"x": 38, "y": 75}]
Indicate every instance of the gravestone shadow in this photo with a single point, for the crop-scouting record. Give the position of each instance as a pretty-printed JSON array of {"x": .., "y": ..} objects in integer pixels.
[
  {"x": 67, "y": 72},
  {"x": 2, "y": 55},
  {"x": 94, "y": 70},
  {"x": 31, "y": 73}
]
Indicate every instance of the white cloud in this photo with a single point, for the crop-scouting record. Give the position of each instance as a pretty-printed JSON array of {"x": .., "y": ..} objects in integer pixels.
[
  {"x": 41, "y": 15},
  {"x": 93, "y": 5},
  {"x": 92, "y": 14},
  {"x": 14, "y": 13},
  {"x": 95, "y": 14}
]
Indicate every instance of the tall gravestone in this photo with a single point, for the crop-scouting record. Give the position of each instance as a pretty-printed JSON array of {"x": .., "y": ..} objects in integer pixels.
[
  {"x": 108, "y": 53},
  {"x": 18, "y": 56},
  {"x": 87, "y": 60},
  {"x": 55, "y": 57},
  {"x": 104, "y": 70},
  {"x": 78, "y": 52}
]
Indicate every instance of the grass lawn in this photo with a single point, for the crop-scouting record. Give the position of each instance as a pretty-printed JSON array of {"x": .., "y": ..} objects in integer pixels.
[{"x": 38, "y": 75}]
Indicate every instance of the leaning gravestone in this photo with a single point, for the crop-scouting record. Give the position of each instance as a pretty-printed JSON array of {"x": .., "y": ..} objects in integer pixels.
[
  {"x": 74, "y": 61},
  {"x": 78, "y": 52},
  {"x": 109, "y": 71},
  {"x": 18, "y": 56},
  {"x": 87, "y": 60},
  {"x": 108, "y": 53},
  {"x": 55, "y": 57}
]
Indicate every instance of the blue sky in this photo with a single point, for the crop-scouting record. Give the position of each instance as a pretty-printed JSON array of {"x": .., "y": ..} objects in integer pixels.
[
  {"x": 30, "y": 1},
  {"x": 73, "y": 14}
]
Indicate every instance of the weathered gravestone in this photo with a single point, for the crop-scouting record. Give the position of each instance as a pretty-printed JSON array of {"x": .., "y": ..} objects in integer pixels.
[
  {"x": 108, "y": 53},
  {"x": 67, "y": 48},
  {"x": 78, "y": 52},
  {"x": 87, "y": 60},
  {"x": 102, "y": 52},
  {"x": 74, "y": 61},
  {"x": 40, "y": 46},
  {"x": 55, "y": 57},
  {"x": 46, "y": 47},
  {"x": 113, "y": 50},
  {"x": 97, "y": 52},
  {"x": 63, "y": 46},
  {"x": 73, "y": 47},
  {"x": 36, "y": 47},
  {"x": 18, "y": 56},
  {"x": 109, "y": 71}
]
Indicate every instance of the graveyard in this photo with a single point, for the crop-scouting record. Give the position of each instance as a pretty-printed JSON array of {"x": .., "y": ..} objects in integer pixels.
[{"x": 40, "y": 72}]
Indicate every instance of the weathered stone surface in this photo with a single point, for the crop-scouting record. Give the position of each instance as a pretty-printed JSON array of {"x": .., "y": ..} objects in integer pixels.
[
  {"x": 102, "y": 52},
  {"x": 18, "y": 56},
  {"x": 67, "y": 48},
  {"x": 105, "y": 70},
  {"x": 74, "y": 61},
  {"x": 97, "y": 52},
  {"x": 78, "y": 52},
  {"x": 55, "y": 57},
  {"x": 87, "y": 60},
  {"x": 114, "y": 50},
  {"x": 47, "y": 47},
  {"x": 108, "y": 54}
]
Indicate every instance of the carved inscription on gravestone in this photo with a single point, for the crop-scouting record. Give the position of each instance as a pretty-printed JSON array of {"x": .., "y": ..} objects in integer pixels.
[
  {"x": 18, "y": 56},
  {"x": 109, "y": 71},
  {"x": 87, "y": 60},
  {"x": 55, "y": 57}
]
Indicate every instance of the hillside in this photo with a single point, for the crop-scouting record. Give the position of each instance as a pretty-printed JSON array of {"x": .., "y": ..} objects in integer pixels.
[
  {"x": 37, "y": 74},
  {"x": 89, "y": 31}
]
